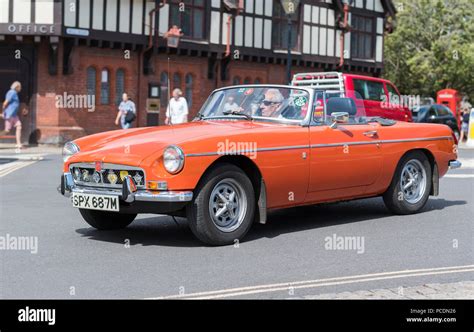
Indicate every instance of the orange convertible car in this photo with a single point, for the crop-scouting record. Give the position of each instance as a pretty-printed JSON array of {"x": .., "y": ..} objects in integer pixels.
[{"x": 252, "y": 149}]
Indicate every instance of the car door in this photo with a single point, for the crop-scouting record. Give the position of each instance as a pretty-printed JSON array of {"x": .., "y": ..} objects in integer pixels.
[
  {"x": 393, "y": 109},
  {"x": 373, "y": 94},
  {"x": 344, "y": 161},
  {"x": 445, "y": 116}
]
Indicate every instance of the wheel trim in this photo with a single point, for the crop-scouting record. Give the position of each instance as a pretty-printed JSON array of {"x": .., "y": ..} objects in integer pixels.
[
  {"x": 228, "y": 205},
  {"x": 413, "y": 181}
]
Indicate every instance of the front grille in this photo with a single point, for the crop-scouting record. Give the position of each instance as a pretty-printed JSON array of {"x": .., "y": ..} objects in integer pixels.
[{"x": 110, "y": 176}]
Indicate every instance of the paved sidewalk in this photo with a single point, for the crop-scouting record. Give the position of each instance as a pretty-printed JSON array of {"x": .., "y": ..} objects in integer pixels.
[
  {"x": 463, "y": 146},
  {"x": 458, "y": 290},
  {"x": 8, "y": 150}
]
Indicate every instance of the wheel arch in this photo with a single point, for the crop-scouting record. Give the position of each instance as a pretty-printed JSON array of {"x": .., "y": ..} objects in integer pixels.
[
  {"x": 255, "y": 176},
  {"x": 434, "y": 168}
]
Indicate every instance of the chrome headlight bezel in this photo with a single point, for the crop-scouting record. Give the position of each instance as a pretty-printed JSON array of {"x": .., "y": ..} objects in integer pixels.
[
  {"x": 70, "y": 149},
  {"x": 173, "y": 154}
]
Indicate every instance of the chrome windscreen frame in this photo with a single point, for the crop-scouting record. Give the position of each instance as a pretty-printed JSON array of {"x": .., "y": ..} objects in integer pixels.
[{"x": 304, "y": 122}]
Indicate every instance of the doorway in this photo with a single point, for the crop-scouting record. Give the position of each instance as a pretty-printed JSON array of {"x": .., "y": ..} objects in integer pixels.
[{"x": 18, "y": 63}]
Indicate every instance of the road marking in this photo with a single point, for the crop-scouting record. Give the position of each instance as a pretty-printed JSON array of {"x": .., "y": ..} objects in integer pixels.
[
  {"x": 459, "y": 176},
  {"x": 14, "y": 166},
  {"x": 466, "y": 163},
  {"x": 233, "y": 292}
]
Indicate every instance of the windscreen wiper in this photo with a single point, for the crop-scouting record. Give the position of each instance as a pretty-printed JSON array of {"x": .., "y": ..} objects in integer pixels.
[{"x": 236, "y": 112}]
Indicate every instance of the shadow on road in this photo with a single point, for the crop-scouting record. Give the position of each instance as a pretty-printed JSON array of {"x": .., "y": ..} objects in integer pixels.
[
  {"x": 162, "y": 231},
  {"x": 440, "y": 204},
  {"x": 325, "y": 215},
  {"x": 153, "y": 231}
]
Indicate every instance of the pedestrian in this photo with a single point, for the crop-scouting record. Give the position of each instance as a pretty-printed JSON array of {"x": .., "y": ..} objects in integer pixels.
[
  {"x": 11, "y": 106},
  {"x": 177, "y": 110},
  {"x": 466, "y": 113},
  {"x": 127, "y": 112}
]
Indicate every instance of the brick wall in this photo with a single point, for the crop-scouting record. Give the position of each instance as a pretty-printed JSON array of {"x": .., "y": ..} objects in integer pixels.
[{"x": 58, "y": 125}]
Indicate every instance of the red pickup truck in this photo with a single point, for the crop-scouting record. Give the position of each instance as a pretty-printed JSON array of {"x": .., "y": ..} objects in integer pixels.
[{"x": 376, "y": 96}]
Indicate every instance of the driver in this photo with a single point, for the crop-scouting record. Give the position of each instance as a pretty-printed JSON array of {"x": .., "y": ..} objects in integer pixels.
[{"x": 272, "y": 103}]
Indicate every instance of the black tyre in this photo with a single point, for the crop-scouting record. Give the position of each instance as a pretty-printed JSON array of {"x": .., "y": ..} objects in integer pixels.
[
  {"x": 105, "y": 221},
  {"x": 223, "y": 206},
  {"x": 411, "y": 184}
]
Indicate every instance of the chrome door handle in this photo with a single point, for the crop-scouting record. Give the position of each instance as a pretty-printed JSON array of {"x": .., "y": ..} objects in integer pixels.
[{"x": 372, "y": 133}]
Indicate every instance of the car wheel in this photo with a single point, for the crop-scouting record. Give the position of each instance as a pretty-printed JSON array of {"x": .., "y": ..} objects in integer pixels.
[
  {"x": 411, "y": 184},
  {"x": 223, "y": 208},
  {"x": 105, "y": 221}
]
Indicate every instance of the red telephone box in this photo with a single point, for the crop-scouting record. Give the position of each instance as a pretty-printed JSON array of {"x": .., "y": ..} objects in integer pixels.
[{"x": 451, "y": 99}]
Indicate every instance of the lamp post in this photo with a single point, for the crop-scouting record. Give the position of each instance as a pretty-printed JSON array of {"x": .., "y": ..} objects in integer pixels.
[{"x": 290, "y": 7}]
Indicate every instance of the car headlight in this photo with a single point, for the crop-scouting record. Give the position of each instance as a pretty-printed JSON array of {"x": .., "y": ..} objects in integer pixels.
[
  {"x": 70, "y": 149},
  {"x": 173, "y": 159}
]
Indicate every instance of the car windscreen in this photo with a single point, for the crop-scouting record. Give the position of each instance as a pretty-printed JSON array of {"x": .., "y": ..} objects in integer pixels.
[{"x": 258, "y": 103}]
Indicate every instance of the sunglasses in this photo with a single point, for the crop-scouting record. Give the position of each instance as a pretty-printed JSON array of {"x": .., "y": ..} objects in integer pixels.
[{"x": 268, "y": 102}]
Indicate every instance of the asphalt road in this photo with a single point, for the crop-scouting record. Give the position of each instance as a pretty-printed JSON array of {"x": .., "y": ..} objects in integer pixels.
[{"x": 155, "y": 257}]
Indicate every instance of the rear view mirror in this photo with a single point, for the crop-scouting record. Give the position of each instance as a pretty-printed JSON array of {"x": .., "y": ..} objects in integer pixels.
[
  {"x": 340, "y": 110},
  {"x": 339, "y": 117}
]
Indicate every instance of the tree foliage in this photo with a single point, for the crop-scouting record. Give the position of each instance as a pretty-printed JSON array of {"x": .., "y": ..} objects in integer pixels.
[{"x": 432, "y": 47}]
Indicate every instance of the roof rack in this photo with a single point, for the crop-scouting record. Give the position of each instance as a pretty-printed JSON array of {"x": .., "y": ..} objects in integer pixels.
[{"x": 327, "y": 81}]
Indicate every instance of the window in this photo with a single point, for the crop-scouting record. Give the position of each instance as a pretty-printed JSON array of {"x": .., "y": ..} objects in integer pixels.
[
  {"x": 432, "y": 112},
  {"x": 280, "y": 27},
  {"x": 360, "y": 89},
  {"x": 119, "y": 85},
  {"x": 258, "y": 81},
  {"x": 176, "y": 81},
  {"x": 375, "y": 91},
  {"x": 104, "y": 87},
  {"x": 236, "y": 81},
  {"x": 189, "y": 15},
  {"x": 369, "y": 90},
  {"x": 247, "y": 80},
  {"x": 189, "y": 89},
  {"x": 164, "y": 88},
  {"x": 442, "y": 110},
  {"x": 393, "y": 96},
  {"x": 362, "y": 37},
  {"x": 91, "y": 81}
]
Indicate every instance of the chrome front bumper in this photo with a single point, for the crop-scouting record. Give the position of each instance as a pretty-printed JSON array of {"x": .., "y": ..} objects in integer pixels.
[
  {"x": 453, "y": 164},
  {"x": 128, "y": 193}
]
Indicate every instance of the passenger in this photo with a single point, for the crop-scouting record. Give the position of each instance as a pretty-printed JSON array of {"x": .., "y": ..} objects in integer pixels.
[{"x": 231, "y": 105}]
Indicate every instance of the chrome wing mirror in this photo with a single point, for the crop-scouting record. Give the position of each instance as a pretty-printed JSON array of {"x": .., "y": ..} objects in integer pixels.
[{"x": 338, "y": 118}]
